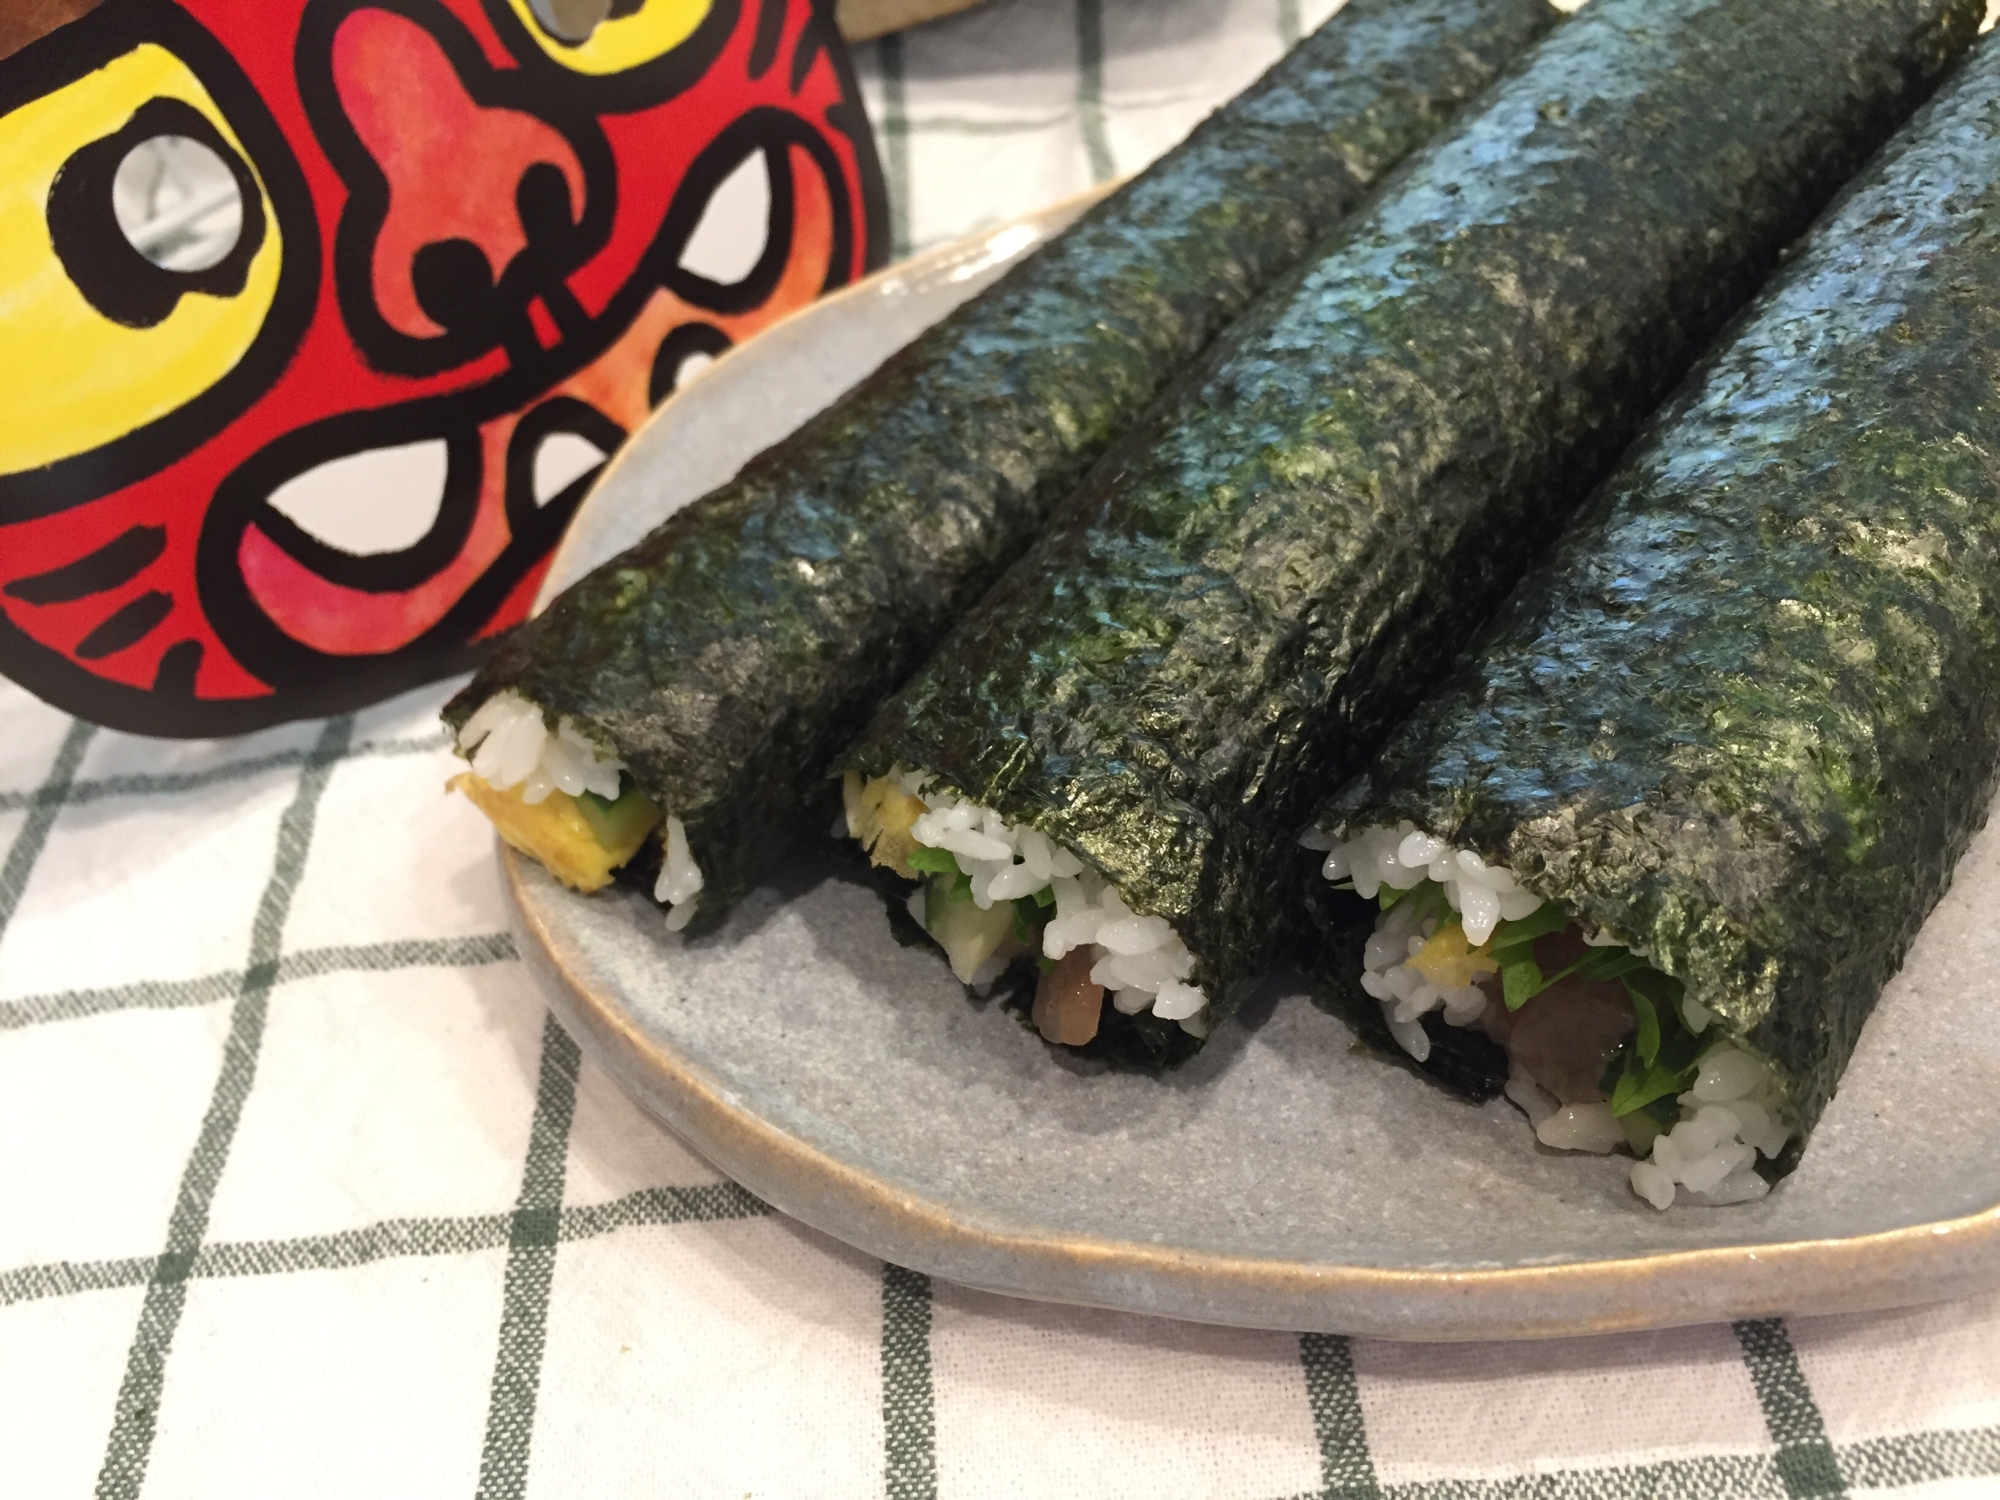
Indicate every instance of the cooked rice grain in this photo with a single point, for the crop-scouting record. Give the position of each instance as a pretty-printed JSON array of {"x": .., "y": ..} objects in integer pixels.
[{"x": 1734, "y": 1111}]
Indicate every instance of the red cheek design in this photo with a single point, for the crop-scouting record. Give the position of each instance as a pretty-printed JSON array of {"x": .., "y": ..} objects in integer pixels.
[{"x": 342, "y": 620}]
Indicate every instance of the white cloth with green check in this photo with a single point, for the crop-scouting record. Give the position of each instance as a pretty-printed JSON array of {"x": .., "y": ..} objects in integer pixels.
[{"x": 305, "y": 1195}]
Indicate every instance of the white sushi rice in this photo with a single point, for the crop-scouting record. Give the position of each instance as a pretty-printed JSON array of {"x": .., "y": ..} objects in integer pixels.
[
  {"x": 680, "y": 877},
  {"x": 507, "y": 739},
  {"x": 509, "y": 744},
  {"x": 1733, "y": 1111},
  {"x": 1141, "y": 960},
  {"x": 1404, "y": 993}
]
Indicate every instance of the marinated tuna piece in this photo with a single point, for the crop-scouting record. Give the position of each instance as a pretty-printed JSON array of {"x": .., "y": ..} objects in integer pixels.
[
  {"x": 1566, "y": 1035},
  {"x": 1067, "y": 1001}
]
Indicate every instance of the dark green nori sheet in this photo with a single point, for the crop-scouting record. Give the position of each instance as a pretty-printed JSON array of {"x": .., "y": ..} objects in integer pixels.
[
  {"x": 732, "y": 654},
  {"x": 1746, "y": 714},
  {"x": 1242, "y": 604}
]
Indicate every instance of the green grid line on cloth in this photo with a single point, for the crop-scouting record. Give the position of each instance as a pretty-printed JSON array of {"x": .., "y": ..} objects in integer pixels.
[
  {"x": 69, "y": 1278},
  {"x": 1805, "y": 1458},
  {"x": 1024, "y": 125},
  {"x": 1922, "y": 1458},
  {"x": 894, "y": 131},
  {"x": 102, "y": 788},
  {"x": 1716, "y": 1477},
  {"x": 389, "y": 1239},
  {"x": 531, "y": 1268},
  {"x": 1877, "y": 1464},
  {"x": 34, "y": 835},
  {"x": 1090, "y": 89},
  {"x": 309, "y": 963},
  {"x": 909, "y": 1397},
  {"x": 135, "y": 1419},
  {"x": 1347, "y": 1471},
  {"x": 711, "y": 1203}
]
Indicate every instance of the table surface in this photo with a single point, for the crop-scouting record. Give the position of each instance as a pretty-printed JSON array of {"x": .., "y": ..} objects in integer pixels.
[{"x": 305, "y": 1195}]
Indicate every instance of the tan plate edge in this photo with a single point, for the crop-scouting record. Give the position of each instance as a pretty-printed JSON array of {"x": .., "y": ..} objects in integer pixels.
[{"x": 1891, "y": 1268}]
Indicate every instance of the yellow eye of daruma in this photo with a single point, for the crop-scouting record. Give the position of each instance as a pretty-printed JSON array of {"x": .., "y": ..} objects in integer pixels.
[
  {"x": 628, "y": 35},
  {"x": 92, "y": 359}
]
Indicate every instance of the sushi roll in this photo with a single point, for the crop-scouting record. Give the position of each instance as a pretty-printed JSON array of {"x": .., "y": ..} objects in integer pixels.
[
  {"x": 682, "y": 705},
  {"x": 1107, "y": 765},
  {"x": 1665, "y": 834}
]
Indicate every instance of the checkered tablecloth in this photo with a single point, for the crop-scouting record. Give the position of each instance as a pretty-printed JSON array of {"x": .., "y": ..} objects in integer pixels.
[{"x": 301, "y": 1193}]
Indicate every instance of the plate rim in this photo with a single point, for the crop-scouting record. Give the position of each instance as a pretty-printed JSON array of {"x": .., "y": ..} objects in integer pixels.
[{"x": 1929, "y": 1262}]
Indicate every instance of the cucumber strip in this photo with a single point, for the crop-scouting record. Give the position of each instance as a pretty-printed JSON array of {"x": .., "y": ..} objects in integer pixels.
[{"x": 622, "y": 823}]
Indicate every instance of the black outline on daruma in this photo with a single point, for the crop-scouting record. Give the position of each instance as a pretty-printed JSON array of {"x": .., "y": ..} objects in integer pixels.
[
  {"x": 535, "y": 522},
  {"x": 846, "y": 117},
  {"x": 680, "y": 342},
  {"x": 334, "y": 682},
  {"x": 637, "y": 88},
  {"x": 60, "y": 59},
  {"x": 340, "y": 682},
  {"x": 110, "y": 566},
  {"x": 538, "y": 272},
  {"x": 102, "y": 263},
  {"x": 718, "y": 162},
  {"x": 126, "y": 626},
  {"x": 307, "y": 448}
]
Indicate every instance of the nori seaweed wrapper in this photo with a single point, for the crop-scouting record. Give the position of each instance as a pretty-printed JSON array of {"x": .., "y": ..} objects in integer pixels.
[
  {"x": 732, "y": 654},
  {"x": 1244, "y": 602},
  {"x": 1745, "y": 717}
]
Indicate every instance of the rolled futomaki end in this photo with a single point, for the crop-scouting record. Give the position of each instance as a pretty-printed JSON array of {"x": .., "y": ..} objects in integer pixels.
[
  {"x": 991, "y": 892},
  {"x": 1604, "y": 1051},
  {"x": 568, "y": 802}
]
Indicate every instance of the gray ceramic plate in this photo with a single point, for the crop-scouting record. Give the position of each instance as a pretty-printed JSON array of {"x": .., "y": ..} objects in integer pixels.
[{"x": 1283, "y": 1179}]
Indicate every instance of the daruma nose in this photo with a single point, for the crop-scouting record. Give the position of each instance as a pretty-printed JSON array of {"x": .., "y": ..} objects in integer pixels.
[{"x": 483, "y": 199}]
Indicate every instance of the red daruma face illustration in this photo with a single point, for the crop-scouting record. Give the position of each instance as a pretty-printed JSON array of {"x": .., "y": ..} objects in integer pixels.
[{"x": 450, "y": 254}]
